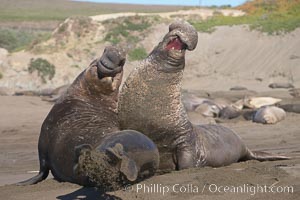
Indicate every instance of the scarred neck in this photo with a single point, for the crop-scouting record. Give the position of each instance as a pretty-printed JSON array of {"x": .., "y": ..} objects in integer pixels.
[{"x": 165, "y": 97}]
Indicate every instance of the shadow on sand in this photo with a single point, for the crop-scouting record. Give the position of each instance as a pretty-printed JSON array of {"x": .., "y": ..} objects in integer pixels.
[{"x": 87, "y": 193}]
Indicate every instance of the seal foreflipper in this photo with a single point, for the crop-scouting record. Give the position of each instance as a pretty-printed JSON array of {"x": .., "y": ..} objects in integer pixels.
[
  {"x": 43, "y": 173},
  {"x": 262, "y": 156}
]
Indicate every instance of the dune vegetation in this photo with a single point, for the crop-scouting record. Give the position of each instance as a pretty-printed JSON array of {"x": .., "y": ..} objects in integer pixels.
[
  {"x": 40, "y": 13},
  {"x": 18, "y": 39},
  {"x": 45, "y": 10},
  {"x": 270, "y": 16}
]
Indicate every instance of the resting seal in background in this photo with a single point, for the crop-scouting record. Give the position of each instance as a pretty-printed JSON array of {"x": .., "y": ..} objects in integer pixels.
[
  {"x": 281, "y": 85},
  {"x": 150, "y": 102},
  {"x": 295, "y": 108},
  {"x": 295, "y": 92},
  {"x": 87, "y": 114},
  {"x": 49, "y": 94},
  {"x": 269, "y": 115}
]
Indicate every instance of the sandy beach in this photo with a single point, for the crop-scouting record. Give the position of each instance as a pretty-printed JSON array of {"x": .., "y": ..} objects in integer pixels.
[{"x": 21, "y": 118}]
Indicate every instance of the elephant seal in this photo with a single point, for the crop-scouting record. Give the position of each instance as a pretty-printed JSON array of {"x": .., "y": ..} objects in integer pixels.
[
  {"x": 122, "y": 157},
  {"x": 204, "y": 106},
  {"x": 235, "y": 110},
  {"x": 208, "y": 109},
  {"x": 47, "y": 94},
  {"x": 53, "y": 95},
  {"x": 257, "y": 102},
  {"x": 229, "y": 112},
  {"x": 212, "y": 107},
  {"x": 86, "y": 114},
  {"x": 238, "y": 88},
  {"x": 150, "y": 102},
  {"x": 295, "y": 92},
  {"x": 269, "y": 115},
  {"x": 191, "y": 102},
  {"x": 295, "y": 108},
  {"x": 281, "y": 85}
]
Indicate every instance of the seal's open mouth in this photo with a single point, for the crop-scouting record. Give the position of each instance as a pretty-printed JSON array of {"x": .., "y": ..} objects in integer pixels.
[{"x": 176, "y": 44}]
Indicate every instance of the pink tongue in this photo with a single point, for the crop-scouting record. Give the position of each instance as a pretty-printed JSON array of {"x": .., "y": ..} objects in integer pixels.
[{"x": 176, "y": 43}]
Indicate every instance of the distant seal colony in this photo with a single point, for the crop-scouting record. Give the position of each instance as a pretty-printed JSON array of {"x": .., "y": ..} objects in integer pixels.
[
  {"x": 150, "y": 102},
  {"x": 81, "y": 132}
]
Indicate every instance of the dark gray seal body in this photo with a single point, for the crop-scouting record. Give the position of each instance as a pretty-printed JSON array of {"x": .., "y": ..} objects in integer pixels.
[
  {"x": 229, "y": 112},
  {"x": 48, "y": 94},
  {"x": 295, "y": 92},
  {"x": 281, "y": 85},
  {"x": 238, "y": 88},
  {"x": 150, "y": 102},
  {"x": 295, "y": 108},
  {"x": 85, "y": 115}
]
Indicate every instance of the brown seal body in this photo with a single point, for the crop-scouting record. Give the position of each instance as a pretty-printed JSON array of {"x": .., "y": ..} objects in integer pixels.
[
  {"x": 150, "y": 102},
  {"x": 86, "y": 114}
]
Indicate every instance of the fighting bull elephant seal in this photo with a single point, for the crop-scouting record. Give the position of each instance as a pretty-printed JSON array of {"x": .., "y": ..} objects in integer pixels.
[
  {"x": 150, "y": 102},
  {"x": 269, "y": 115},
  {"x": 86, "y": 114}
]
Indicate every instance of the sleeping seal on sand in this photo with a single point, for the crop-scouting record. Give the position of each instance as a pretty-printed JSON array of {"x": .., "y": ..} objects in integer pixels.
[
  {"x": 269, "y": 115},
  {"x": 150, "y": 102},
  {"x": 86, "y": 116},
  {"x": 281, "y": 85},
  {"x": 295, "y": 92}
]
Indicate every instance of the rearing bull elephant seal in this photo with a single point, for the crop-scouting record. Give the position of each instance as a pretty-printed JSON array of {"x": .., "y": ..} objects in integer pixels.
[
  {"x": 150, "y": 102},
  {"x": 85, "y": 116}
]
